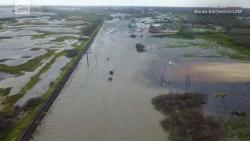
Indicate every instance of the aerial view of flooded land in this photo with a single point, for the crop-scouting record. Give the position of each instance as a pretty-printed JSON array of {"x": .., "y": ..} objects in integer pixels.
[{"x": 124, "y": 74}]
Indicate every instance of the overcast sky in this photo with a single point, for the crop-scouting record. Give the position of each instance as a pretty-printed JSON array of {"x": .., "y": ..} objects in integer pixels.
[{"x": 182, "y": 3}]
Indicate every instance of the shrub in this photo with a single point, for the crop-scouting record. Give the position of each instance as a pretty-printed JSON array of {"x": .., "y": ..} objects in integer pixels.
[
  {"x": 184, "y": 118},
  {"x": 32, "y": 103},
  {"x": 133, "y": 36},
  {"x": 5, "y": 123},
  {"x": 5, "y": 92},
  {"x": 140, "y": 47},
  {"x": 71, "y": 53}
]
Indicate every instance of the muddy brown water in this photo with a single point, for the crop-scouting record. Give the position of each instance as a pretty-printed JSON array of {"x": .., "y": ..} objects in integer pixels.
[{"x": 92, "y": 108}]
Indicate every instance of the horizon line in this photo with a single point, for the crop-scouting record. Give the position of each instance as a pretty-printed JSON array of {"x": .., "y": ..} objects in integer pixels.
[{"x": 128, "y": 6}]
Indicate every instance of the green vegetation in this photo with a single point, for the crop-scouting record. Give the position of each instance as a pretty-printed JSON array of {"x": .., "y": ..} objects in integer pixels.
[
  {"x": 31, "y": 23},
  {"x": 239, "y": 126},
  {"x": 1, "y": 26},
  {"x": 226, "y": 30},
  {"x": 5, "y": 124},
  {"x": 181, "y": 34},
  {"x": 27, "y": 114},
  {"x": 29, "y": 66},
  {"x": 90, "y": 28},
  {"x": 184, "y": 118},
  {"x": 32, "y": 107},
  {"x": 13, "y": 132},
  {"x": 237, "y": 52},
  {"x": 71, "y": 53},
  {"x": 27, "y": 117},
  {"x": 35, "y": 49},
  {"x": 189, "y": 55},
  {"x": 31, "y": 103},
  {"x": 5, "y": 91},
  {"x": 3, "y": 60},
  {"x": 241, "y": 53},
  {"x": 141, "y": 15},
  {"x": 26, "y": 56},
  {"x": 42, "y": 35},
  {"x": 5, "y": 37},
  {"x": 63, "y": 38}
]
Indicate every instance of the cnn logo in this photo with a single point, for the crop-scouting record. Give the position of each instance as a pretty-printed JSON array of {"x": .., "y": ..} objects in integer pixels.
[{"x": 22, "y": 7}]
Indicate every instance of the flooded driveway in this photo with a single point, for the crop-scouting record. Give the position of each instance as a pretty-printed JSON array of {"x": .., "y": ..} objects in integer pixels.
[{"x": 92, "y": 108}]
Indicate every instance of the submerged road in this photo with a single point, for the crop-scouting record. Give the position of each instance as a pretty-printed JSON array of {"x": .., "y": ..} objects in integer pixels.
[{"x": 92, "y": 108}]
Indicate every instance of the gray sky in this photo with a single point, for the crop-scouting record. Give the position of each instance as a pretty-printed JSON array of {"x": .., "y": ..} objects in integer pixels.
[{"x": 183, "y": 3}]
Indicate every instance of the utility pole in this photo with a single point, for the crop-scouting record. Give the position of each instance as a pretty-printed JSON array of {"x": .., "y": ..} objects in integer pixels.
[
  {"x": 87, "y": 54},
  {"x": 248, "y": 85},
  {"x": 163, "y": 77},
  {"x": 188, "y": 81}
]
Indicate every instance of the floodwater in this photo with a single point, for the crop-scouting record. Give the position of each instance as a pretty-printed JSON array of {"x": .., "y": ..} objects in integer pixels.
[
  {"x": 4, "y": 75},
  {"x": 19, "y": 42},
  {"x": 17, "y": 82},
  {"x": 92, "y": 108},
  {"x": 17, "y": 37},
  {"x": 46, "y": 78}
]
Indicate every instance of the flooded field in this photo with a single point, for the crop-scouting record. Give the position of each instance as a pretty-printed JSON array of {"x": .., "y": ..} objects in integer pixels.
[
  {"x": 24, "y": 39},
  {"x": 93, "y": 108},
  {"x": 43, "y": 85}
]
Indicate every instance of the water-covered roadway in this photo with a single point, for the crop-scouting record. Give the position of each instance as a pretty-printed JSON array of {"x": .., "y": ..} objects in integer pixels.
[{"x": 92, "y": 108}]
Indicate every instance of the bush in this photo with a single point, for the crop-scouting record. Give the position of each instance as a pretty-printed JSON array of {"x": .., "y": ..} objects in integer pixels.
[
  {"x": 140, "y": 47},
  {"x": 133, "y": 36},
  {"x": 32, "y": 103},
  {"x": 5, "y": 92},
  {"x": 184, "y": 118},
  {"x": 5, "y": 123},
  {"x": 71, "y": 53}
]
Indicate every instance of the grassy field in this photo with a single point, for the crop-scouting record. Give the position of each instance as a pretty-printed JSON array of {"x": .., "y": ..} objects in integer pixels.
[
  {"x": 238, "y": 52},
  {"x": 42, "y": 35},
  {"x": 5, "y": 91},
  {"x": 1, "y": 26},
  {"x": 239, "y": 126},
  {"x": 63, "y": 38},
  {"x": 35, "y": 49}
]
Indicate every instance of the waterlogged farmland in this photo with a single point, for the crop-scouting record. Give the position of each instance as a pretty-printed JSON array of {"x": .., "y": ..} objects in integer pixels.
[
  {"x": 29, "y": 45},
  {"x": 161, "y": 74},
  {"x": 37, "y": 52}
]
